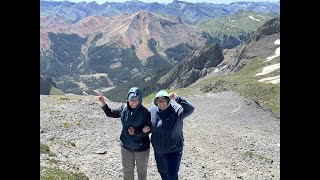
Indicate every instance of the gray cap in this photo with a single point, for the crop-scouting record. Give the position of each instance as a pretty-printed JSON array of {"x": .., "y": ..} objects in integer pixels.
[{"x": 133, "y": 96}]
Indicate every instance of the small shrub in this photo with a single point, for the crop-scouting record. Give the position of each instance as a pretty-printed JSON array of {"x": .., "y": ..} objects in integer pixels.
[
  {"x": 67, "y": 125},
  {"x": 250, "y": 154},
  {"x": 44, "y": 149},
  {"x": 53, "y": 161},
  {"x": 55, "y": 173}
]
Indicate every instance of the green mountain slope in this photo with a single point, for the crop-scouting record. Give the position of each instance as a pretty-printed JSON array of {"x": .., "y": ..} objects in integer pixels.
[{"x": 235, "y": 29}]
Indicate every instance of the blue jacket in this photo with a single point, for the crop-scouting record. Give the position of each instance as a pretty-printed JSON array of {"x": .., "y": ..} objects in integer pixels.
[
  {"x": 167, "y": 126},
  {"x": 136, "y": 118}
]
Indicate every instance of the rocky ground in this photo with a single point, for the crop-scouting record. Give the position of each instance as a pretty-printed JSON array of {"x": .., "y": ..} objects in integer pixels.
[{"x": 226, "y": 137}]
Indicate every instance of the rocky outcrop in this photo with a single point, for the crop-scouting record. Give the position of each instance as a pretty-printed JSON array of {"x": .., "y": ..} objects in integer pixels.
[
  {"x": 268, "y": 28},
  {"x": 45, "y": 85},
  {"x": 194, "y": 66},
  {"x": 125, "y": 30},
  {"x": 149, "y": 33}
]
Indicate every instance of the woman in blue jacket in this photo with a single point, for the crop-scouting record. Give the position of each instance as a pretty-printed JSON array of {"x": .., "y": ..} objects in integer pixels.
[
  {"x": 167, "y": 136},
  {"x": 134, "y": 138}
]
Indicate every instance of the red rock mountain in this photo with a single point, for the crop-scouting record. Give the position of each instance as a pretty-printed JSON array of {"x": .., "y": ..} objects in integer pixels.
[{"x": 125, "y": 30}]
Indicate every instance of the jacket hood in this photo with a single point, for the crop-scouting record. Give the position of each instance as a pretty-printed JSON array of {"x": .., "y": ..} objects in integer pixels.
[
  {"x": 161, "y": 93},
  {"x": 136, "y": 92}
]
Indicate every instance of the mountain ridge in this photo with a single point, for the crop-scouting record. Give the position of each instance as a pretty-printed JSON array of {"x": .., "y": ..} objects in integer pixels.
[
  {"x": 193, "y": 67},
  {"x": 144, "y": 43},
  {"x": 189, "y": 12}
]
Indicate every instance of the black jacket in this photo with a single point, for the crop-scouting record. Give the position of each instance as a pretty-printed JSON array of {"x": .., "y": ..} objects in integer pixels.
[
  {"x": 136, "y": 118},
  {"x": 167, "y": 126}
]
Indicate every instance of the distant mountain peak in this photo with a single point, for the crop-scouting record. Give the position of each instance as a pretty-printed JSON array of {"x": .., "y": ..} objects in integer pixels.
[
  {"x": 93, "y": 3},
  {"x": 140, "y": 28},
  {"x": 142, "y": 13},
  {"x": 53, "y": 20}
]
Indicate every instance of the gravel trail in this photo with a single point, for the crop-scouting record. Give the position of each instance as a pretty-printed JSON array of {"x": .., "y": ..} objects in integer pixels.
[{"x": 226, "y": 137}]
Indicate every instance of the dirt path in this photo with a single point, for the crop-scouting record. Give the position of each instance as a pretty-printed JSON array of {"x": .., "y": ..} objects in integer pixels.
[{"x": 227, "y": 137}]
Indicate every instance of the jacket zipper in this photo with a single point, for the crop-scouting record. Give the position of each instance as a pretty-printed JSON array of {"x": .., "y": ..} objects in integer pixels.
[
  {"x": 161, "y": 138},
  {"x": 157, "y": 121}
]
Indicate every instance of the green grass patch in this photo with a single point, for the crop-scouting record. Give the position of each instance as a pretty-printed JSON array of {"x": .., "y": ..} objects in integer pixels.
[
  {"x": 55, "y": 173},
  {"x": 251, "y": 154},
  {"x": 55, "y": 91},
  {"x": 266, "y": 94},
  {"x": 44, "y": 149},
  {"x": 246, "y": 83},
  {"x": 234, "y": 25},
  {"x": 67, "y": 125}
]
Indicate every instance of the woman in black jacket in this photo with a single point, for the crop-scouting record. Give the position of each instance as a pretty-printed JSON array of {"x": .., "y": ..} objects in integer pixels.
[
  {"x": 136, "y": 126},
  {"x": 167, "y": 132}
]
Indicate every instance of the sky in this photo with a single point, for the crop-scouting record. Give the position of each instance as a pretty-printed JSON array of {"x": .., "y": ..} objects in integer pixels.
[{"x": 169, "y": 1}]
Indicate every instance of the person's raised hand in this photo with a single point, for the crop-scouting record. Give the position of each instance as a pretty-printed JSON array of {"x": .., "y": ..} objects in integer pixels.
[
  {"x": 101, "y": 98},
  {"x": 173, "y": 95}
]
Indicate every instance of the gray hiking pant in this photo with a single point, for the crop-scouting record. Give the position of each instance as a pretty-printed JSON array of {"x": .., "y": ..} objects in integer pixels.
[{"x": 130, "y": 158}]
